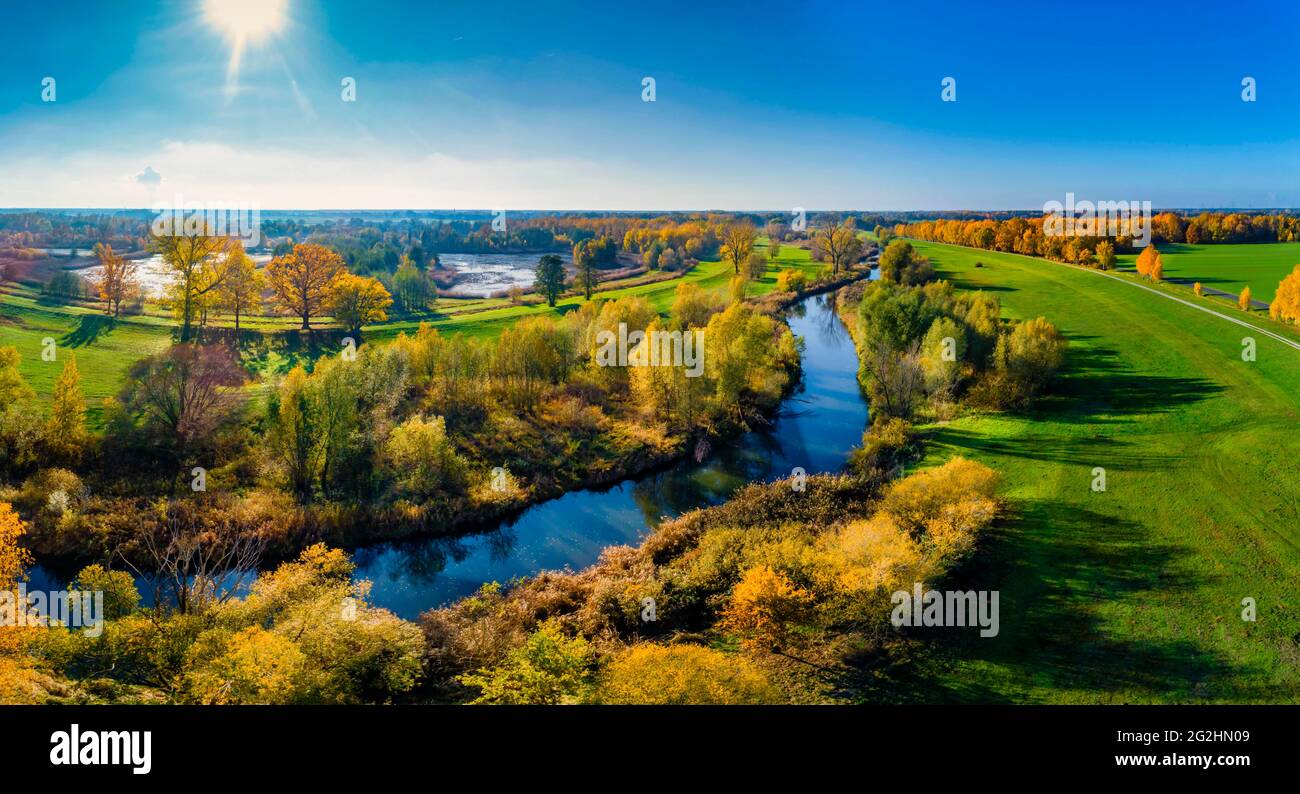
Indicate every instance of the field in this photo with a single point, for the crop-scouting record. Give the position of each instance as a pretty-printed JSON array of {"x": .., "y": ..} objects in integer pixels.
[
  {"x": 105, "y": 349},
  {"x": 1133, "y": 594},
  {"x": 1228, "y": 267}
]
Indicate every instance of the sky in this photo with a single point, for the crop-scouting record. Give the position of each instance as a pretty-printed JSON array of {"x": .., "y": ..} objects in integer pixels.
[{"x": 537, "y": 105}]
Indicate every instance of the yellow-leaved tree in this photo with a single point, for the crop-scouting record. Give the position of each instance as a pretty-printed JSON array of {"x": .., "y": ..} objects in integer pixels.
[
  {"x": 241, "y": 292},
  {"x": 65, "y": 431},
  {"x": 1286, "y": 303},
  {"x": 1243, "y": 300},
  {"x": 355, "y": 301}
]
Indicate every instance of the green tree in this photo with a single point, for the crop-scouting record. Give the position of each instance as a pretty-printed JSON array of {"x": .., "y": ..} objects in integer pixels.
[
  {"x": 548, "y": 669},
  {"x": 550, "y": 278}
]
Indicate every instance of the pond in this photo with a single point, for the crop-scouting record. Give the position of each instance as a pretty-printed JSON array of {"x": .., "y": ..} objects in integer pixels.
[{"x": 485, "y": 275}]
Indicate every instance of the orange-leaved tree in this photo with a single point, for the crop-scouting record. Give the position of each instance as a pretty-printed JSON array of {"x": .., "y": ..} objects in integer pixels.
[
  {"x": 765, "y": 605},
  {"x": 1147, "y": 259},
  {"x": 1243, "y": 300},
  {"x": 303, "y": 279}
]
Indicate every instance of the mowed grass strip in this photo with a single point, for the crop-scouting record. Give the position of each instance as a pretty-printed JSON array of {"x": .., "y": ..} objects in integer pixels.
[
  {"x": 1133, "y": 594},
  {"x": 1227, "y": 268}
]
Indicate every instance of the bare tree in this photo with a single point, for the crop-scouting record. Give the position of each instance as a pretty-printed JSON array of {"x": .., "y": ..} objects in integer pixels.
[
  {"x": 896, "y": 378},
  {"x": 195, "y": 564},
  {"x": 838, "y": 243},
  {"x": 186, "y": 390}
]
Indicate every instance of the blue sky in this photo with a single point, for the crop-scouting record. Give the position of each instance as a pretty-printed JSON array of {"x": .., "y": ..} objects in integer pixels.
[{"x": 758, "y": 106}]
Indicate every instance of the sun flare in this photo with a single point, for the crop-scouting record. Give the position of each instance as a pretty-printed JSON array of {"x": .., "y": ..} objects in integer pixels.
[{"x": 245, "y": 20}]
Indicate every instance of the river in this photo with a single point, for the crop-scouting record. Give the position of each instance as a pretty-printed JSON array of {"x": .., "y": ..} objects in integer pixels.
[{"x": 815, "y": 429}]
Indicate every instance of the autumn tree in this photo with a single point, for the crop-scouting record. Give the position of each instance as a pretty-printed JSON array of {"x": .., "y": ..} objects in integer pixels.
[
  {"x": 355, "y": 301},
  {"x": 548, "y": 669},
  {"x": 682, "y": 674},
  {"x": 14, "y": 559},
  {"x": 184, "y": 392},
  {"x": 1286, "y": 303},
  {"x": 1105, "y": 253},
  {"x": 303, "y": 279},
  {"x": 550, "y": 277},
  {"x": 1147, "y": 259},
  {"x": 764, "y": 607},
  {"x": 738, "y": 244},
  {"x": 1157, "y": 269},
  {"x": 584, "y": 259},
  {"x": 241, "y": 290},
  {"x": 837, "y": 242},
  {"x": 1243, "y": 300},
  {"x": 197, "y": 267},
  {"x": 65, "y": 431},
  {"x": 116, "y": 281}
]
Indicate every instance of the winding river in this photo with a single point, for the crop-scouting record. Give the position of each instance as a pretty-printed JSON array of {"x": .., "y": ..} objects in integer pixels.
[{"x": 815, "y": 429}]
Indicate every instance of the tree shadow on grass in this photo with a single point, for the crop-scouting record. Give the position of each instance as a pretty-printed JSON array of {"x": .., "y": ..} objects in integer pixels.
[
  {"x": 1055, "y": 566},
  {"x": 88, "y": 331},
  {"x": 1095, "y": 387}
]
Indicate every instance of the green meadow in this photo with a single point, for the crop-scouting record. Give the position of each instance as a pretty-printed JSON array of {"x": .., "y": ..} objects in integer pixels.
[
  {"x": 105, "y": 348},
  {"x": 1134, "y": 593},
  {"x": 1228, "y": 268}
]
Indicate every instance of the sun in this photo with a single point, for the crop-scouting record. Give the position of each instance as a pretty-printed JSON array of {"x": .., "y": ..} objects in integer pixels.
[{"x": 245, "y": 21}]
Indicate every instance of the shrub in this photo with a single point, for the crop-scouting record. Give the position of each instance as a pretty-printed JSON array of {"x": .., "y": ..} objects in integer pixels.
[{"x": 682, "y": 675}]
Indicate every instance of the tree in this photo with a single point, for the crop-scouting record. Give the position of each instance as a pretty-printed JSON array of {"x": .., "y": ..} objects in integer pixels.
[
  {"x": 773, "y": 249},
  {"x": 682, "y": 674},
  {"x": 355, "y": 301},
  {"x": 584, "y": 259},
  {"x": 65, "y": 431},
  {"x": 1243, "y": 300},
  {"x": 1105, "y": 252},
  {"x": 302, "y": 281},
  {"x": 1030, "y": 355},
  {"x": 14, "y": 559},
  {"x": 738, "y": 243},
  {"x": 1286, "y": 303},
  {"x": 838, "y": 243},
  {"x": 185, "y": 391},
  {"x": 13, "y": 388},
  {"x": 1146, "y": 260},
  {"x": 423, "y": 459},
  {"x": 241, "y": 290},
  {"x": 550, "y": 277},
  {"x": 411, "y": 287},
  {"x": 765, "y": 605},
  {"x": 121, "y": 597},
  {"x": 755, "y": 266},
  {"x": 548, "y": 669},
  {"x": 1157, "y": 269},
  {"x": 293, "y": 434},
  {"x": 116, "y": 280},
  {"x": 197, "y": 270},
  {"x": 1198, "y": 289}
]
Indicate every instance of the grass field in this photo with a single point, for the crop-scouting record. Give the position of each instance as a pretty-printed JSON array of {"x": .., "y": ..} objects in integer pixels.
[
  {"x": 1228, "y": 267},
  {"x": 105, "y": 349},
  {"x": 1133, "y": 594}
]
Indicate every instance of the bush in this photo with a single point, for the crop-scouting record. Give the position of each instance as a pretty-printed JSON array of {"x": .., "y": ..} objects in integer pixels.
[{"x": 682, "y": 675}]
